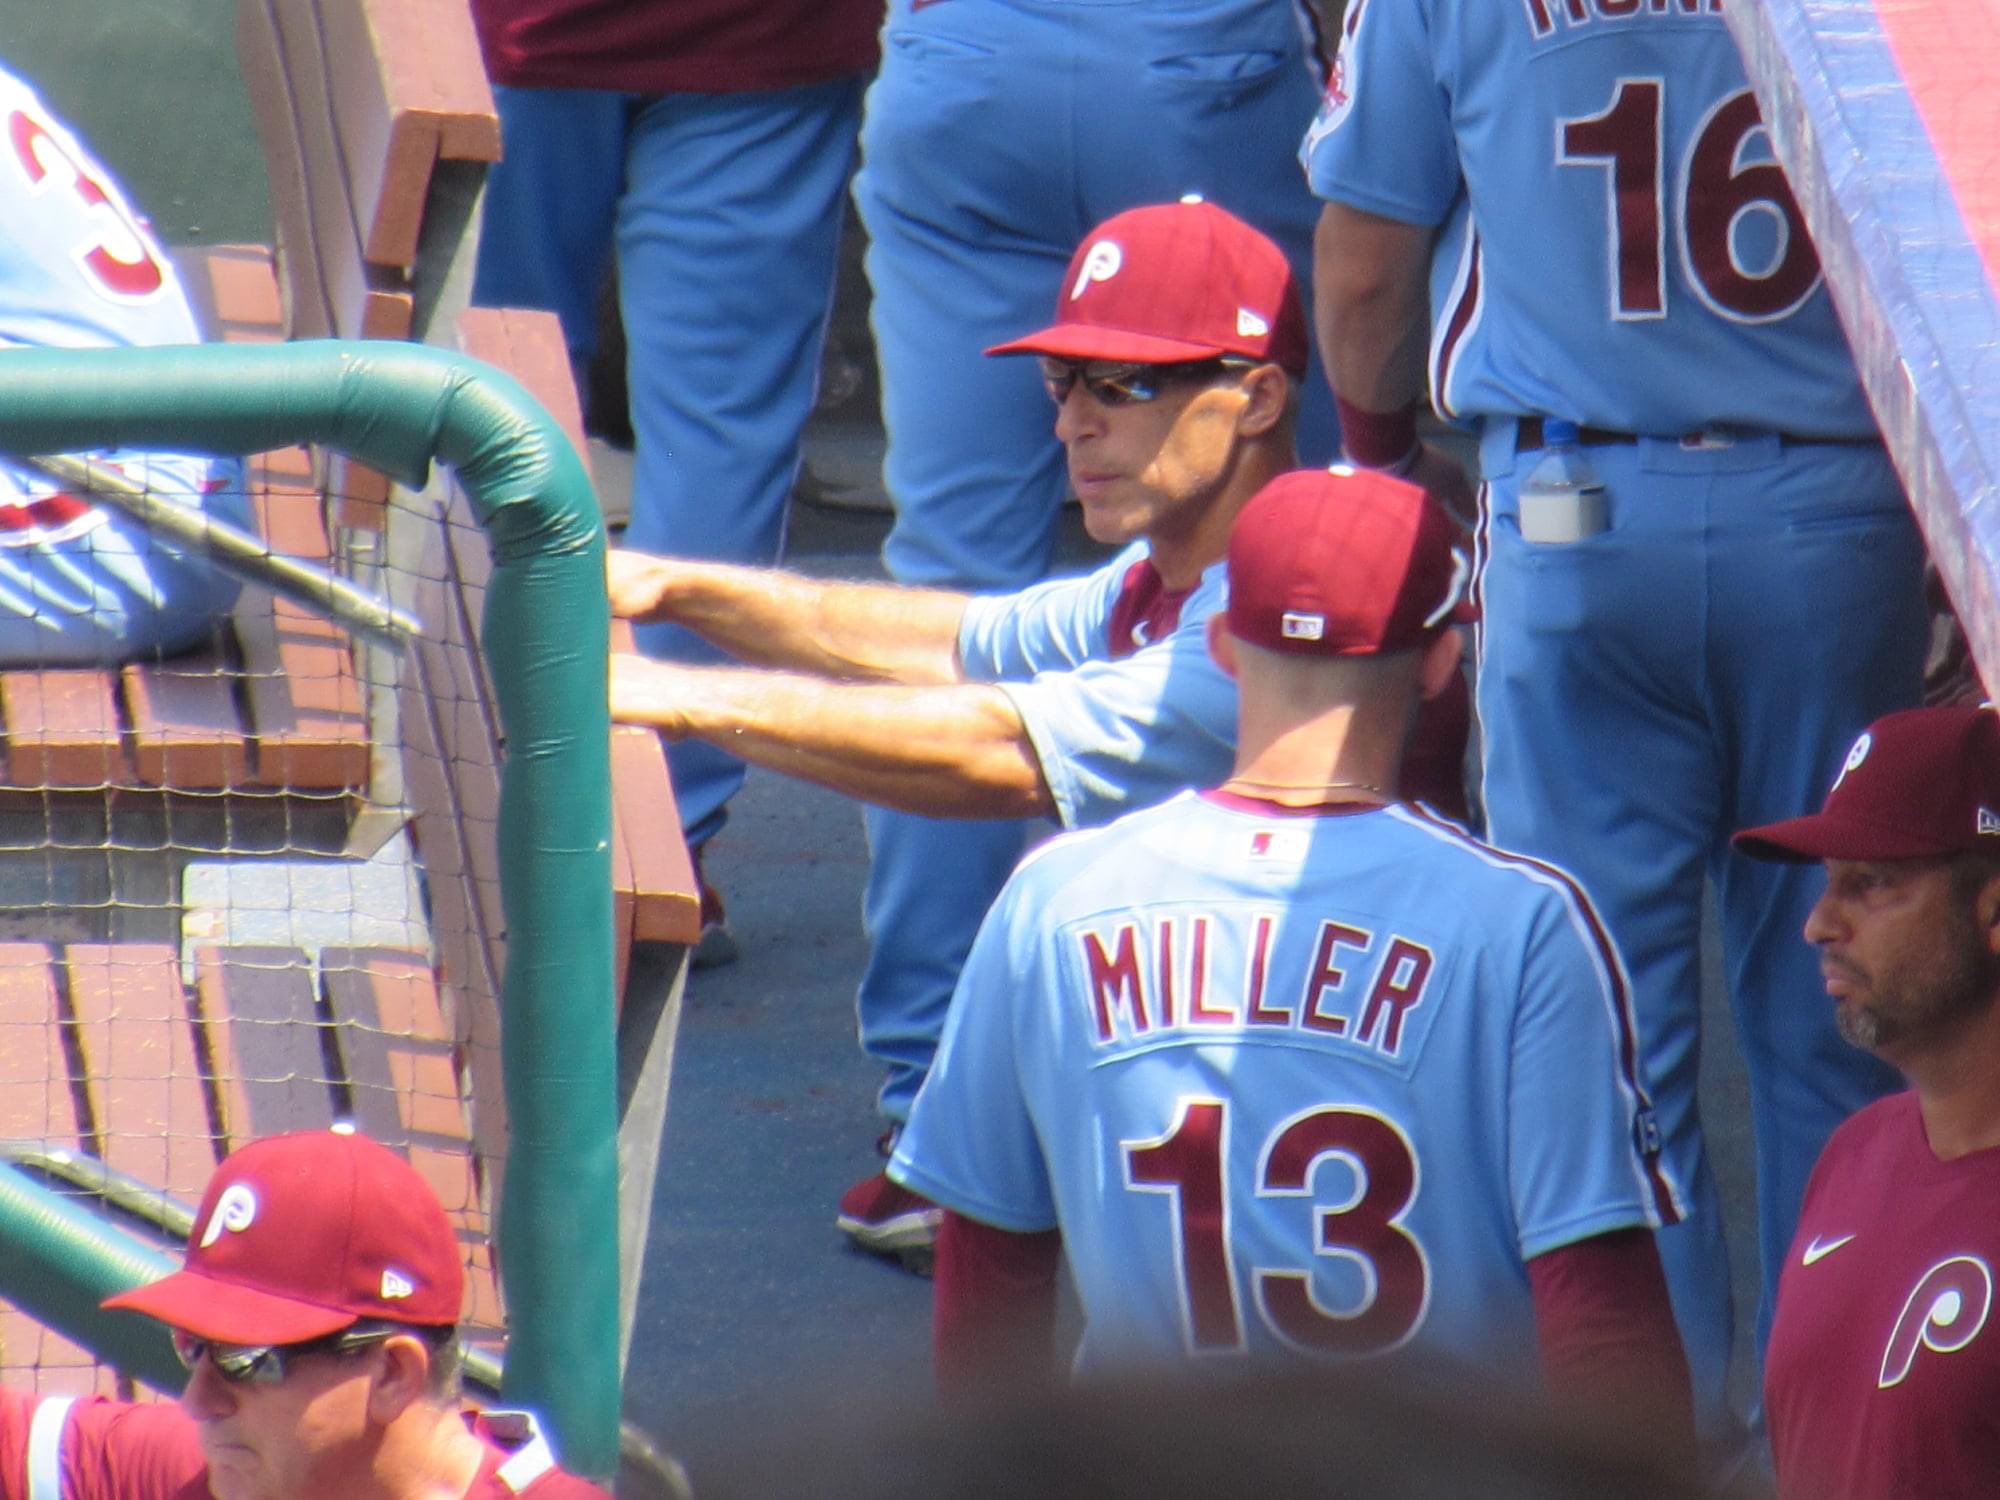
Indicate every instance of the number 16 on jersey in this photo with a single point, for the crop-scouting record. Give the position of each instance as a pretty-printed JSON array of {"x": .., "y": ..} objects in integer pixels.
[{"x": 1743, "y": 243}]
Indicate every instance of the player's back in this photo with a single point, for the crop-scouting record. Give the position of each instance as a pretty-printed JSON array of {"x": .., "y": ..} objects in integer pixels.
[
  {"x": 1624, "y": 250},
  {"x": 1318, "y": 1083},
  {"x": 79, "y": 267}
]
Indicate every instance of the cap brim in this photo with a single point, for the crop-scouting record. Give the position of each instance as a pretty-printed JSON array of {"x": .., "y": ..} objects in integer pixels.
[
  {"x": 1799, "y": 841},
  {"x": 1087, "y": 341},
  {"x": 228, "y": 1313}
]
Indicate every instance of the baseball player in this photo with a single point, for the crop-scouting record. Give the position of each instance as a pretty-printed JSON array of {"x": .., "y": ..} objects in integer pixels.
[
  {"x": 997, "y": 133},
  {"x": 315, "y": 1313},
  {"x": 1587, "y": 199},
  {"x": 1883, "y": 1369},
  {"x": 707, "y": 145},
  {"x": 83, "y": 585},
  {"x": 1173, "y": 365},
  {"x": 1293, "y": 1066}
]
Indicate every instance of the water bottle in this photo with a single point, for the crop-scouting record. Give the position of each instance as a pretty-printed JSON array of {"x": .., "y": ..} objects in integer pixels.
[{"x": 1562, "y": 499}]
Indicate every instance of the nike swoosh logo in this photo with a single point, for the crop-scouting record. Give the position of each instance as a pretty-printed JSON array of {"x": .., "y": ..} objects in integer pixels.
[
  {"x": 1818, "y": 1249},
  {"x": 917, "y": 5}
]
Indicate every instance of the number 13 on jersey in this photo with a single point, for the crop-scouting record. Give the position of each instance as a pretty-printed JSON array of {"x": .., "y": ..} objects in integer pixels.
[
  {"x": 1365, "y": 1227},
  {"x": 1743, "y": 242}
]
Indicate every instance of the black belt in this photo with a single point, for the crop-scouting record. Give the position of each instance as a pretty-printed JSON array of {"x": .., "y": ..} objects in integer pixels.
[{"x": 1528, "y": 436}]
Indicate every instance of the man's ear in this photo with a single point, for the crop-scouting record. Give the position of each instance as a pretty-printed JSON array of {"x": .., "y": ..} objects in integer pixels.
[
  {"x": 1986, "y": 906},
  {"x": 401, "y": 1377},
  {"x": 1440, "y": 663},
  {"x": 1269, "y": 392},
  {"x": 1221, "y": 645}
]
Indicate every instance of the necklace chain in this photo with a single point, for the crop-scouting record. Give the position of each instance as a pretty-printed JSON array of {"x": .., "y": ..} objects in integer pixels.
[{"x": 1312, "y": 786}]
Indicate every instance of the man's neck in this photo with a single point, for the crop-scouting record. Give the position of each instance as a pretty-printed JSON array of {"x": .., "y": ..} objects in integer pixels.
[
  {"x": 428, "y": 1453},
  {"x": 1957, "y": 1084},
  {"x": 1182, "y": 558},
  {"x": 1348, "y": 754}
]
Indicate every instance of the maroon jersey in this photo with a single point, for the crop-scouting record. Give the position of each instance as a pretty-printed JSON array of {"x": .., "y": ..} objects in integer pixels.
[
  {"x": 92, "y": 1449},
  {"x": 1883, "y": 1375},
  {"x": 679, "y": 46}
]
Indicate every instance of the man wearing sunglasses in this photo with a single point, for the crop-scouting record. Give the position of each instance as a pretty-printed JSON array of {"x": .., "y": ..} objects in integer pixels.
[
  {"x": 315, "y": 1312},
  {"x": 1173, "y": 363}
]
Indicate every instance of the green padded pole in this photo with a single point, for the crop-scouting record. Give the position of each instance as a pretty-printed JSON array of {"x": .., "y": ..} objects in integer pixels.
[
  {"x": 70, "y": 1261},
  {"x": 397, "y": 408}
]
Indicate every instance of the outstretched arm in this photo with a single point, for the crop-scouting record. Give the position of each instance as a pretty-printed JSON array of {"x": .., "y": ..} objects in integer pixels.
[
  {"x": 857, "y": 632},
  {"x": 954, "y": 751}
]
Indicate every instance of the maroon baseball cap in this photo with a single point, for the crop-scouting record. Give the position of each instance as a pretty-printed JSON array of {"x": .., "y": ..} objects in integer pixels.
[
  {"x": 1172, "y": 282},
  {"x": 1344, "y": 562},
  {"x": 304, "y": 1235},
  {"x": 1917, "y": 784}
]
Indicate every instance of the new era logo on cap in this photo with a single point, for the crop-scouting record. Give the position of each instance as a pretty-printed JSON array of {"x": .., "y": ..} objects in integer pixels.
[
  {"x": 1251, "y": 325},
  {"x": 1989, "y": 821}
]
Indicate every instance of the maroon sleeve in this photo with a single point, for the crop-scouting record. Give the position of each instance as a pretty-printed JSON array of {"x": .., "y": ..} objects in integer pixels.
[
  {"x": 1434, "y": 758},
  {"x": 111, "y": 1450},
  {"x": 993, "y": 1301},
  {"x": 1606, "y": 1331}
]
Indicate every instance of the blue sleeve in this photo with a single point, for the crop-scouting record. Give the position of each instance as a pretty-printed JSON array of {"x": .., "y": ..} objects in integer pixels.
[
  {"x": 1113, "y": 736},
  {"x": 970, "y": 1143},
  {"x": 1053, "y": 625},
  {"x": 1383, "y": 141},
  {"x": 1573, "y": 1160}
]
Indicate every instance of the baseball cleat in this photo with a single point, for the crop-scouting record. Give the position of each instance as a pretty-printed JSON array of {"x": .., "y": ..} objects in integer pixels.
[{"x": 886, "y": 1218}]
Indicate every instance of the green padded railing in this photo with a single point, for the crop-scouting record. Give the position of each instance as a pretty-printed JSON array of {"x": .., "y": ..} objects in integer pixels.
[{"x": 398, "y": 408}]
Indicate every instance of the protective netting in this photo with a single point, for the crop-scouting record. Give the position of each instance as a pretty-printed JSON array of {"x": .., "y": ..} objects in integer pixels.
[
  {"x": 253, "y": 885},
  {"x": 1886, "y": 119}
]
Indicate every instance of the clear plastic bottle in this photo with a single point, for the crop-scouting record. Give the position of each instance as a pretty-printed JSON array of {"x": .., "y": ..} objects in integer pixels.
[{"x": 1562, "y": 499}]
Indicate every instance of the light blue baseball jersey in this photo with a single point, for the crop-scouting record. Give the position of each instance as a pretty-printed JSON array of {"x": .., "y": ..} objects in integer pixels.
[
  {"x": 1317, "y": 1082},
  {"x": 1116, "y": 725},
  {"x": 79, "y": 268},
  {"x": 1614, "y": 229}
]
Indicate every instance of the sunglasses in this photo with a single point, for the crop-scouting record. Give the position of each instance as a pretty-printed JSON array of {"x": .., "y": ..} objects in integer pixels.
[
  {"x": 1115, "y": 383},
  {"x": 267, "y": 1364}
]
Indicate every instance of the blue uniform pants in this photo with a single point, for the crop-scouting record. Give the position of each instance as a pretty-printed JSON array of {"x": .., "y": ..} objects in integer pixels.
[
  {"x": 998, "y": 134},
  {"x": 724, "y": 211},
  {"x": 1701, "y": 666},
  {"x": 106, "y": 589}
]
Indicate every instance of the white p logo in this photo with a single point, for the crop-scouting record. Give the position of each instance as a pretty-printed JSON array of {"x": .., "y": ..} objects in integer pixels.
[
  {"x": 1854, "y": 758},
  {"x": 1100, "y": 263},
  {"x": 234, "y": 1211}
]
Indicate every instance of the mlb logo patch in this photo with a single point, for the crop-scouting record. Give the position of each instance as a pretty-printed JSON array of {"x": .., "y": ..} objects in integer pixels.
[
  {"x": 1278, "y": 845},
  {"x": 1303, "y": 627},
  {"x": 1989, "y": 821}
]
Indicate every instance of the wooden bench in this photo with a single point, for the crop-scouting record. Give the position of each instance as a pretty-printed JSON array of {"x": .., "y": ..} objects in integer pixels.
[
  {"x": 108, "y": 1050},
  {"x": 272, "y": 705}
]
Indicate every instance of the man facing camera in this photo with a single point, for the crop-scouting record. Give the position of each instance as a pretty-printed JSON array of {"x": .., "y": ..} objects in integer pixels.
[
  {"x": 1883, "y": 1373},
  {"x": 316, "y": 1314}
]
